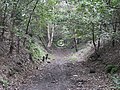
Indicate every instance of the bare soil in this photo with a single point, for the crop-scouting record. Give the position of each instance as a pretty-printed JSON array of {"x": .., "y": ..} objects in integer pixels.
[
  {"x": 65, "y": 71},
  {"x": 64, "y": 74}
]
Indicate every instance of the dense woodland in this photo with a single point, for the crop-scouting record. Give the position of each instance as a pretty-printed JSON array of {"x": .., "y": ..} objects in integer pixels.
[{"x": 31, "y": 30}]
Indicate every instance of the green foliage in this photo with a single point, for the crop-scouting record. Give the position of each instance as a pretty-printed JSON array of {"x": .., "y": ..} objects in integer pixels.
[
  {"x": 5, "y": 83},
  {"x": 71, "y": 20},
  {"x": 112, "y": 69},
  {"x": 116, "y": 80},
  {"x": 115, "y": 3},
  {"x": 85, "y": 12},
  {"x": 36, "y": 50}
]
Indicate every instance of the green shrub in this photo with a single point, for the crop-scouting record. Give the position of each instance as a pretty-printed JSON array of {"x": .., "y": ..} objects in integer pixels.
[
  {"x": 36, "y": 50},
  {"x": 112, "y": 69},
  {"x": 116, "y": 80},
  {"x": 5, "y": 83}
]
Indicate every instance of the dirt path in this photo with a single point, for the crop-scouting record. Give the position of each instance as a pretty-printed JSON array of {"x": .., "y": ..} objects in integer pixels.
[{"x": 62, "y": 74}]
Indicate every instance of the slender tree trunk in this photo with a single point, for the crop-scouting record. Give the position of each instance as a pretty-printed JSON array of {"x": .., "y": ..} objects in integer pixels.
[
  {"x": 12, "y": 25},
  {"x": 29, "y": 20},
  {"x": 12, "y": 33},
  {"x": 50, "y": 35},
  {"x": 98, "y": 46},
  {"x": 11, "y": 38},
  {"x": 27, "y": 30},
  {"x": 75, "y": 45},
  {"x": 11, "y": 30},
  {"x": 31, "y": 58},
  {"x": 94, "y": 44},
  {"x": 12, "y": 43},
  {"x": 75, "y": 41},
  {"x": 78, "y": 41},
  {"x": 93, "y": 36}
]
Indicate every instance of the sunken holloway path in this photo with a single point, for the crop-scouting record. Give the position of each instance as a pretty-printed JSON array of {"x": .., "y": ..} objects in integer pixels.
[{"x": 63, "y": 74}]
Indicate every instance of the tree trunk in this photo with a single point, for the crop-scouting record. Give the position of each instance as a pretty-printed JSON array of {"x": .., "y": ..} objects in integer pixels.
[
  {"x": 12, "y": 43},
  {"x": 93, "y": 36},
  {"x": 75, "y": 45},
  {"x": 75, "y": 41},
  {"x": 93, "y": 40},
  {"x": 30, "y": 57},
  {"x": 98, "y": 45},
  {"x": 50, "y": 35},
  {"x": 29, "y": 20},
  {"x": 11, "y": 31},
  {"x": 12, "y": 25}
]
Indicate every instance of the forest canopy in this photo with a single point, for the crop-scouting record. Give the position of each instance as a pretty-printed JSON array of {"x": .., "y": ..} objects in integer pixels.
[{"x": 58, "y": 22}]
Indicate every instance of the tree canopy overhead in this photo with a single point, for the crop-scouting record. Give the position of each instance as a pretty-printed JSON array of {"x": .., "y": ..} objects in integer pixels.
[{"x": 47, "y": 21}]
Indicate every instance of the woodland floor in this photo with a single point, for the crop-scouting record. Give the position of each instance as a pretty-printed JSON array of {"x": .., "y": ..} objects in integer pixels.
[
  {"x": 65, "y": 74},
  {"x": 68, "y": 71}
]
